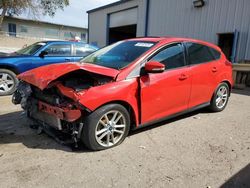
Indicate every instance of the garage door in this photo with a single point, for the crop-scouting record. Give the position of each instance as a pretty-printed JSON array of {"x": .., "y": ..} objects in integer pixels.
[{"x": 122, "y": 18}]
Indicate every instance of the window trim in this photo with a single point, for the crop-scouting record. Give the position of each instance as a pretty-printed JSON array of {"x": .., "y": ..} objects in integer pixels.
[{"x": 188, "y": 56}]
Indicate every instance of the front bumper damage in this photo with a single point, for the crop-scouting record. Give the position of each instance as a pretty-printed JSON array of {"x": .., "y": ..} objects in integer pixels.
[
  {"x": 66, "y": 114},
  {"x": 63, "y": 122}
]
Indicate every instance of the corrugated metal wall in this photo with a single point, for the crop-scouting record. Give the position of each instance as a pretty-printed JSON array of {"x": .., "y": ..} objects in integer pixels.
[{"x": 180, "y": 18}]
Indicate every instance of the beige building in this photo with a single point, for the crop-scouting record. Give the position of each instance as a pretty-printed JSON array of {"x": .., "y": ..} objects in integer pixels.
[
  {"x": 17, "y": 33},
  {"x": 26, "y": 28}
]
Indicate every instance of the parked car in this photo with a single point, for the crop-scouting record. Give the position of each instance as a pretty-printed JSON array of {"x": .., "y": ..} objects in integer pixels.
[
  {"x": 36, "y": 55},
  {"x": 127, "y": 85}
]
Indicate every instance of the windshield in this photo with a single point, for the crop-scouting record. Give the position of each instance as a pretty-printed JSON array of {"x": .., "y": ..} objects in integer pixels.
[
  {"x": 118, "y": 55},
  {"x": 30, "y": 50}
]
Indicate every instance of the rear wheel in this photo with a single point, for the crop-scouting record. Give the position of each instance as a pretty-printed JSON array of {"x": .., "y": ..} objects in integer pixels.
[
  {"x": 106, "y": 127},
  {"x": 220, "y": 98},
  {"x": 8, "y": 82}
]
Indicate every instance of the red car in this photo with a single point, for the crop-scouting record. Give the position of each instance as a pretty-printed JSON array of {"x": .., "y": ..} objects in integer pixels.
[{"x": 127, "y": 85}]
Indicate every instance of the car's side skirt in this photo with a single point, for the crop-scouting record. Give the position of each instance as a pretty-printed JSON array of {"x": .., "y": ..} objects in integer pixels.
[{"x": 203, "y": 105}]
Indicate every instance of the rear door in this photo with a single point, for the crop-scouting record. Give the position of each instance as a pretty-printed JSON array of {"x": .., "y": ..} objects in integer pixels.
[
  {"x": 166, "y": 93},
  {"x": 204, "y": 69}
]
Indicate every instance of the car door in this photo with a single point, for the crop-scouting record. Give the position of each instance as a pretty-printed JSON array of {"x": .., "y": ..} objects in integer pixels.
[
  {"x": 163, "y": 94},
  {"x": 82, "y": 50},
  {"x": 204, "y": 69},
  {"x": 56, "y": 53}
]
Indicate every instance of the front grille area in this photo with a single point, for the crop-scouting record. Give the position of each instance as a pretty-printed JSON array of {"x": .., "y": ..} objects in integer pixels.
[
  {"x": 49, "y": 96},
  {"x": 43, "y": 117}
]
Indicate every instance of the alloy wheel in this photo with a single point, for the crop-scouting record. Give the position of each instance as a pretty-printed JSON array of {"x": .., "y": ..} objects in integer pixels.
[
  {"x": 221, "y": 97},
  {"x": 6, "y": 82},
  {"x": 110, "y": 128}
]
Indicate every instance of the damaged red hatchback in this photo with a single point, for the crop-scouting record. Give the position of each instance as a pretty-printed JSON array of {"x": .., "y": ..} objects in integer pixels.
[{"x": 126, "y": 85}]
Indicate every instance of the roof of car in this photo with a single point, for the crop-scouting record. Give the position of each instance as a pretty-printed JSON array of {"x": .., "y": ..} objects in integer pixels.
[
  {"x": 169, "y": 39},
  {"x": 61, "y": 41}
]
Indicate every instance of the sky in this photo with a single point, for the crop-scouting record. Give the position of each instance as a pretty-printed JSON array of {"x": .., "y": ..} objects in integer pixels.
[{"x": 75, "y": 14}]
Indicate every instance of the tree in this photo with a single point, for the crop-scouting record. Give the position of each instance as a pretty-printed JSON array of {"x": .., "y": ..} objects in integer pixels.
[{"x": 36, "y": 7}]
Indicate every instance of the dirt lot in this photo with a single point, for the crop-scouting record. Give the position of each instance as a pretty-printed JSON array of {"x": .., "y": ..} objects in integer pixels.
[{"x": 200, "y": 149}]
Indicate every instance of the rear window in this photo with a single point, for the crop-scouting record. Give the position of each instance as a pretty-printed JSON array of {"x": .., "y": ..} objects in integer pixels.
[{"x": 199, "y": 53}]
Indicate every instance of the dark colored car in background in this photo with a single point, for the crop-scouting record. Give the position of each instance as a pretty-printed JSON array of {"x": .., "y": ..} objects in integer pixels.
[{"x": 36, "y": 55}]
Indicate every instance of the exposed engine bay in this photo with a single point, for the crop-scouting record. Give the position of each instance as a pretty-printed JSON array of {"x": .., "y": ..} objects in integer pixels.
[
  {"x": 56, "y": 106},
  {"x": 80, "y": 80}
]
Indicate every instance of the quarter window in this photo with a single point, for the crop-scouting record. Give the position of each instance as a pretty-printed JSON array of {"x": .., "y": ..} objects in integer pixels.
[
  {"x": 59, "y": 50},
  {"x": 199, "y": 53},
  {"x": 215, "y": 53},
  {"x": 172, "y": 56}
]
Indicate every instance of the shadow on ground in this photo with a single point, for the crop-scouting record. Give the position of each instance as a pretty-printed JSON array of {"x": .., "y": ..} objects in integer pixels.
[
  {"x": 245, "y": 91},
  {"x": 15, "y": 128},
  {"x": 165, "y": 122},
  {"x": 239, "y": 180}
]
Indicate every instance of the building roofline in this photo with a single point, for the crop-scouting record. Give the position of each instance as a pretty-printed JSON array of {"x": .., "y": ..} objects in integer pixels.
[
  {"x": 44, "y": 22},
  {"x": 107, "y": 6}
]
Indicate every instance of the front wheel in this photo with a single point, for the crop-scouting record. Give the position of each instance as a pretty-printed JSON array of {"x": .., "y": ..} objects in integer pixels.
[
  {"x": 8, "y": 82},
  {"x": 106, "y": 127},
  {"x": 220, "y": 98}
]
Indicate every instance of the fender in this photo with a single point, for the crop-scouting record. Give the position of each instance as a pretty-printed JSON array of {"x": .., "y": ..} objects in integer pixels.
[{"x": 125, "y": 91}]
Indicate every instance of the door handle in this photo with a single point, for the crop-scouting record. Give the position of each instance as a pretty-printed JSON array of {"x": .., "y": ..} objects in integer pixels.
[
  {"x": 67, "y": 59},
  {"x": 183, "y": 77},
  {"x": 214, "y": 69}
]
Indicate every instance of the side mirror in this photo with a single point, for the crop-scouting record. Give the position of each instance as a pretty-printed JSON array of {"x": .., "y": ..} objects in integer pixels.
[
  {"x": 43, "y": 53},
  {"x": 154, "y": 67}
]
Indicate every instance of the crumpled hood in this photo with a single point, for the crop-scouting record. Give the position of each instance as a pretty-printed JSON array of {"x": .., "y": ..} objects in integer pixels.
[{"x": 41, "y": 77}]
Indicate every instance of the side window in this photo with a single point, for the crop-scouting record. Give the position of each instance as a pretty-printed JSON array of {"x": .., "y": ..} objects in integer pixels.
[
  {"x": 59, "y": 50},
  {"x": 199, "y": 53},
  {"x": 83, "y": 49},
  {"x": 172, "y": 56}
]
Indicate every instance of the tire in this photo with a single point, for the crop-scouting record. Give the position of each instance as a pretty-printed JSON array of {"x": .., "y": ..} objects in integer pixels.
[
  {"x": 99, "y": 127},
  {"x": 221, "y": 94},
  {"x": 8, "y": 82}
]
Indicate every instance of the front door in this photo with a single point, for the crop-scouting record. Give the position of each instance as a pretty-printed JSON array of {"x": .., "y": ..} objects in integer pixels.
[
  {"x": 57, "y": 53},
  {"x": 163, "y": 94}
]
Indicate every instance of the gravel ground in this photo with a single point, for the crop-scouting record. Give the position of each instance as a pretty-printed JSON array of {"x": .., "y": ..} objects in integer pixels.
[{"x": 200, "y": 149}]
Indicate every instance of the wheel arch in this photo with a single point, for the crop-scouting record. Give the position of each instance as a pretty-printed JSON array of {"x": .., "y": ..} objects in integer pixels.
[
  {"x": 11, "y": 68},
  {"x": 229, "y": 85},
  {"x": 133, "y": 115}
]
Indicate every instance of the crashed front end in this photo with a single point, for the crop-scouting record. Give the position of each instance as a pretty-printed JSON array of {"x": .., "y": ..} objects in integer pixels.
[{"x": 55, "y": 108}]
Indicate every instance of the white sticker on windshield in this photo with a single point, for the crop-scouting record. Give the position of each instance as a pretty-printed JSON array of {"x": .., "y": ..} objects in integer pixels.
[{"x": 142, "y": 44}]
